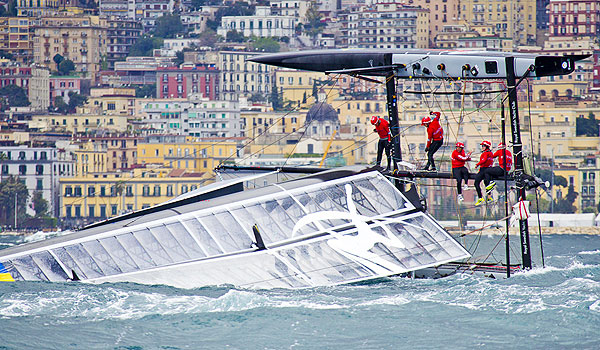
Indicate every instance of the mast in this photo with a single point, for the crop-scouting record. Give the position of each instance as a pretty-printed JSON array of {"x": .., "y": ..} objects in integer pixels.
[
  {"x": 392, "y": 107},
  {"x": 507, "y": 239},
  {"x": 518, "y": 154}
]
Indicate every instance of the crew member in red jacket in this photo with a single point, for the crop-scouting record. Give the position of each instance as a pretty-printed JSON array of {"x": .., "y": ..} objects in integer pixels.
[
  {"x": 459, "y": 171},
  {"x": 382, "y": 128},
  {"x": 486, "y": 160},
  {"x": 498, "y": 171},
  {"x": 435, "y": 137}
]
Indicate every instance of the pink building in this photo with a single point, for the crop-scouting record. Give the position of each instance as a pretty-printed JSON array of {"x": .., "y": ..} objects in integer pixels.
[
  {"x": 180, "y": 82},
  {"x": 61, "y": 86},
  {"x": 14, "y": 75},
  {"x": 574, "y": 18}
]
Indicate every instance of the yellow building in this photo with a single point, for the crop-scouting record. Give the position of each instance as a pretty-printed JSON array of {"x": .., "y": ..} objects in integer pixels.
[
  {"x": 191, "y": 155},
  {"x": 78, "y": 123},
  {"x": 90, "y": 158},
  {"x": 513, "y": 19},
  {"x": 81, "y": 39},
  {"x": 27, "y": 8},
  {"x": 258, "y": 122},
  {"x": 112, "y": 101},
  {"x": 16, "y": 38},
  {"x": 85, "y": 199},
  {"x": 297, "y": 86}
]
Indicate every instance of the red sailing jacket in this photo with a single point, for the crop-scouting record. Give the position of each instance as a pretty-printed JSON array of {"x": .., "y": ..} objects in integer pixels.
[
  {"x": 459, "y": 159},
  {"x": 486, "y": 159},
  {"x": 434, "y": 130},
  {"x": 500, "y": 155},
  {"x": 383, "y": 129}
]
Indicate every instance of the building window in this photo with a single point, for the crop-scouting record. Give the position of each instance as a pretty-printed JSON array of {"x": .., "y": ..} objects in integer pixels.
[
  {"x": 102, "y": 191},
  {"x": 184, "y": 189},
  {"x": 170, "y": 190},
  {"x": 156, "y": 190},
  {"x": 22, "y": 169},
  {"x": 40, "y": 185},
  {"x": 78, "y": 211},
  {"x": 77, "y": 191},
  {"x": 39, "y": 170},
  {"x": 103, "y": 211},
  {"x": 146, "y": 191},
  {"x": 91, "y": 191},
  {"x": 113, "y": 209},
  {"x": 68, "y": 211},
  {"x": 129, "y": 191},
  {"x": 91, "y": 211},
  {"x": 4, "y": 169}
]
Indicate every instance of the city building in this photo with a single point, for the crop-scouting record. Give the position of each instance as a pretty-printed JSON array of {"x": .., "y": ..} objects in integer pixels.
[
  {"x": 299, "y": 87},
  {"x": 14, "y": 74},
  {"x": 241, "y": 78},
  {"x": 187, "y": 80},
  {"x": 94, "y": 197},
  {"x": 187, "y": 153},
  {"x": 574, "y": 18},
  {"x": 201, "y": 118},
  {"x": 387, "y": 25},
  {"x": 79, "y": 123},
  {"x": 140, "y": 70},
  {"x": 111, "y": 153},
  {"x": 515, "y": 20},
  {"x": 39, "y": 88},
  {"x": 441, "y": 14},
  {"x": 262, "y": 24},
  {"x": 122, "y": 34},
  {"x": 81, "y": 39},
  {"x": 40, "y": 168},
  {"x": 38, "y": 8},
  {"x": 62, "y": 86},
  {"x": 16, "y": 38},
  {"x": 295, "y": 8},
  {"x": 111, "y": 101}
]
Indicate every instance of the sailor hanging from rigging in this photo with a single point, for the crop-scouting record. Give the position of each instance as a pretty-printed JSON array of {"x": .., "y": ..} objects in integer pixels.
[
  {"x": 503, "y": 163},
  {"x": 435, "y": 137},
  {"x": 486, "y": 160},
  {"x": 382, "y": 127},
  {"x": 459, "y": 171}
]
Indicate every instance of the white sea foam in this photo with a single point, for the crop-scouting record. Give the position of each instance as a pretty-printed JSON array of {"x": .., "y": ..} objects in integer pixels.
[
  {"x": 592, "y": 252},
  {"x": 595, "y": 306},
  {"x": 41, "y": 235}
]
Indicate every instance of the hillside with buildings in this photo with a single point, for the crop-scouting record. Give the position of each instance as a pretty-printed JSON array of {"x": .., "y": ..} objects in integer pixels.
[{"x": 113, "y": 106}]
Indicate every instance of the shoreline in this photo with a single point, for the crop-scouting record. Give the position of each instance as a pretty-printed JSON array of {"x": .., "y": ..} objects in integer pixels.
[{"x": 533, "y": 230}]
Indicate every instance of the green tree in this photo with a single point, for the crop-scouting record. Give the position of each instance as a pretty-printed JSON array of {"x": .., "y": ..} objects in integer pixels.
[
  {"x": 168, "y": 26},
  {"x": 10, "y": 187},
  {"x": 544, "y": 204},
  {"x": 233, "y": 36},
  {"x": 257, "y": 97},
  {"x": 58, "y": 59},
  {"x": 10, "y": 10},
  {"x": 146, "y": 90},
  {"x": 565, "y": 205},
  {"x": 208, "y": 38},
  {"x": 587, "y": 126},
  {"x": 276, "y": 99},
  {"x": 60, "y": 105},
  {"x": 13, "y": 96},
  {"x": 546, "y": 175},
  {"x": 313, "y": 25},
  {"x": 40, "y": 205},
  {"x": 144, "y": 46},
  {"x": 265, "y": 45},
  {"x": 65, "y": 67},
  {"x": 76, "y": 100}
]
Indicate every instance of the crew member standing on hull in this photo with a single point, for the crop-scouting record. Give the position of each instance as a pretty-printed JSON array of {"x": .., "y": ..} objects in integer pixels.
[
  {"x": 435, "y": 138},
  {"x": 459, "y": 171},
  {"x": 486, "y": 160},
  {"x": 382, "y": 128},
  {"x": 503, "y": 163}
]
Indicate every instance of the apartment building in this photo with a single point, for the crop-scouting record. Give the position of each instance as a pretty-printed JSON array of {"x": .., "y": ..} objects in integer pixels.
[
  {"x": 387, "y": 25},
  {"x": 16, "y": 38},
  {"x": 515, "y": 19},
  {"x": 241, "y": 78},
  {"x": 262, "y": 24},
  {"x": 186, "y": 80},
  {"x": 40, "y": 168},
  {"x": 122, "y": 34},
  {"x": 81, "y": 39}
]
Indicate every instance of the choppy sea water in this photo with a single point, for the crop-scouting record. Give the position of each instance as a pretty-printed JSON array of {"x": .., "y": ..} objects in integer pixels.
[{"x": 556, "y": 307}]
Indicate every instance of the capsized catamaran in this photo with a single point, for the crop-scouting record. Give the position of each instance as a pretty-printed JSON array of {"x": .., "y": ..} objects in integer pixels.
[{"x": 338, "y": 226}]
